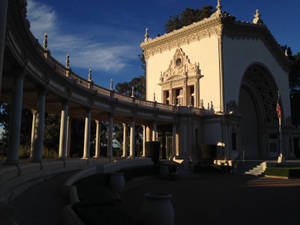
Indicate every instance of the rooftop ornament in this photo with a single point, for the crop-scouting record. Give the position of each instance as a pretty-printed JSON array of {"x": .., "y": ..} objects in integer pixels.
[
  {"x": 68, "y": 61},
  {"x": 257, "y": 19},
  {"x": 45, "y": 42},
  {"x": 219, "y": 6},
  {"x": 147, "y": 35},
  {"x": 111, "y": 86},
  {"x": 90, "y": 74},
  {"x": 132, "y": 91}
]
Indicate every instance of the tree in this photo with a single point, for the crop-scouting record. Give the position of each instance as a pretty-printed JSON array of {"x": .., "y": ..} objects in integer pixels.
[{"x": 187, "y": 17}]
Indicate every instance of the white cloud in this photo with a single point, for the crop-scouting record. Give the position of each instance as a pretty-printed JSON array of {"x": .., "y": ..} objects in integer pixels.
[{"x": 84, "y": 50}]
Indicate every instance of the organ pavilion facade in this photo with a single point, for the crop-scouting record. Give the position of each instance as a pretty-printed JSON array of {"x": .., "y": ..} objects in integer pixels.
[{"x": 233, "y": 71}]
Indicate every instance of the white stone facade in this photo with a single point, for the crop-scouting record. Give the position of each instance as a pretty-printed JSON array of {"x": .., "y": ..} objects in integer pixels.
[{"x": 240, "y": 71}]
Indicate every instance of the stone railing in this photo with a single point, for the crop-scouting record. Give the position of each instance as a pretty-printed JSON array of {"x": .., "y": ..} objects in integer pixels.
[{"x": 62, "y": 70}]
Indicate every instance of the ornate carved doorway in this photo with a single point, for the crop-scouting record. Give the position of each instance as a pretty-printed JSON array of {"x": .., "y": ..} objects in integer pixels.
[{"x": 257, "y": 104}]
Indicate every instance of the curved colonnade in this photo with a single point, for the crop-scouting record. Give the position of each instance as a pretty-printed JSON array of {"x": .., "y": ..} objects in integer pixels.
[{"x": 33, "y": 79}]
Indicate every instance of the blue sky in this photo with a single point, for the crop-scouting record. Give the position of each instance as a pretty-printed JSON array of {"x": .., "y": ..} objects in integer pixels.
[{"x": 106, "y": 34}]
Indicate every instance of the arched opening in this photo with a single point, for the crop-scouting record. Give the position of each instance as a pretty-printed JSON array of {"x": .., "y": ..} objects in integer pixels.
[{"x": 257, "y": 104}]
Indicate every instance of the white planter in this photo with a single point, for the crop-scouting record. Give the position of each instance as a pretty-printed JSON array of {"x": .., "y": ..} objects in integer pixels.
[{"x": 157, "y": 209}]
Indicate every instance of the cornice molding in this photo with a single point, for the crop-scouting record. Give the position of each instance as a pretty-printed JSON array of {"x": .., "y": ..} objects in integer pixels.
[
  {"x": 217, "y": 25},
  {"x": 194, "y": 32}
]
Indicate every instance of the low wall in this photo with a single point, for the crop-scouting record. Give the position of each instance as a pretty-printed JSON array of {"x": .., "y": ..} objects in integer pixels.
[{"x": 15, "y": 179}]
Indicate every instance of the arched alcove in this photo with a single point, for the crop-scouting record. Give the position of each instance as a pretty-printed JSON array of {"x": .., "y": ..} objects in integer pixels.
[{"x": 257, "y": 104}]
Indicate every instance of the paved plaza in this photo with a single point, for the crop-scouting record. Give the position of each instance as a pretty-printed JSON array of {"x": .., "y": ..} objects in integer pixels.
[
  {"x": 210, "y": 198},
  {"x": 220, "y": 199}
]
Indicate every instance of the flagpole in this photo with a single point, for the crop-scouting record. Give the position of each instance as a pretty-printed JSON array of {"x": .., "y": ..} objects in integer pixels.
[{"x": 279, "y": 114}]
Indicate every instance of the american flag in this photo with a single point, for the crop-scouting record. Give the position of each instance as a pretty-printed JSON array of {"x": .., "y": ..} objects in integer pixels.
[{"x": 278, "y": 109}]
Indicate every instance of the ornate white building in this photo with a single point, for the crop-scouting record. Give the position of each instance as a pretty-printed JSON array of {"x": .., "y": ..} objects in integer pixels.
[{"x": 233, "y": 70}]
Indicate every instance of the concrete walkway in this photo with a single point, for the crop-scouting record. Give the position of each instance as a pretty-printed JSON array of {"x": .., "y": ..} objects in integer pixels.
[
  {"x": 221, "y": 199},
  {"x": 42, "y": 203}
]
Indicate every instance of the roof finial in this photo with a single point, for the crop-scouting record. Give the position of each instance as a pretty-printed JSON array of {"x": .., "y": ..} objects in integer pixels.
[
  {"x": 45, "y": 42},
  {"x": 219, "y": 6},
  {"x": 68, "y": 61},
  {"x": 257, "y": 19},
  {"x": 111, "y": 85},
  {"x": 132, "y": 91},
  {"x": 90, "y": 74},
  {"x": 146, "y": 34},
  {"x": 154, "y": 97}
]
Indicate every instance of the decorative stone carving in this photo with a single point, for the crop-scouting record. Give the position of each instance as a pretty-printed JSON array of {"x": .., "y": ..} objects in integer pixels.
[
  {"x": 180, "y": 67},
  {"x": 45, "y": 42},
  {"x": 161, "y": 44},
  {"x": 257, "y": 19},
  {"x": 68, "y": 61},
  {"x": 147, "y": 35}
]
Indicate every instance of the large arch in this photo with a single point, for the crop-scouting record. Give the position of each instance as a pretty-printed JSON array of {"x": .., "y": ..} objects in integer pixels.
[{"x": 257, "y": 104}]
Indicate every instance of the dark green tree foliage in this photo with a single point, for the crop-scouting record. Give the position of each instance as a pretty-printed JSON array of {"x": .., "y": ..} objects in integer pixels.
[
  {"x": 51, "y": 132},
  {"x": 187, "y": 17},
  {"x": 139, "y": 87}
]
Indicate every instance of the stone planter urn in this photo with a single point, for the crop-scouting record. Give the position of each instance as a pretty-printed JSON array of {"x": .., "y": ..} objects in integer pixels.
[
  {"x": 117, "y": 184},
  {"x": 157, "y": 209}
]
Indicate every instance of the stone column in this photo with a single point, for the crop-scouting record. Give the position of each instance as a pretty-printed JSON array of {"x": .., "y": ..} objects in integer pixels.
[
  {"x": 197, "y": 94},
  {"x": 40, "y": 124},
  {"x": 174, "y": 139},
  {"x": 15, "y": 120},
  {"x": 177, "y": 144},
  {"x": 132, "y": 139},
  {"x": 110, "y": 135},
  {"x": 154, "y": 132},
  {"x": 144, "y": 141},
  {"x": 68, "y": 144},
  {"x": 3, "y": 16},
  {"x": 184, "y": 88},
  {"x": 87, "y": 134},
  {"x": 171, "y": 97},
  {"x": 98, "y": 134},
  {"x": 124, "y": 139},
  {"x": 148, "y": 134},
  {"x": 63, "y": 131},
  {"x": 33, "y": 128}
]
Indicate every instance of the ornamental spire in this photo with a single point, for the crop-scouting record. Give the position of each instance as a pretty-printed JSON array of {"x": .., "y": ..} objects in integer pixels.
[
  {"x": 132, "y": 91},
  {"x": 257, "y": 19},
  {"x": 146, "y": 34},
  {"x": 45, "y": 42},
  {"x": 68, "y": 61},
  {"x": 219, "y": 6},
  {"x": 111, "y": 85},
  {"x": 90, "y": 74}
]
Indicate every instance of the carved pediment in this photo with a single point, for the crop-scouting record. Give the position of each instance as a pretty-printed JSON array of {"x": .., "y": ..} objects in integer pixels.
[{"x": 180, "y": 67}]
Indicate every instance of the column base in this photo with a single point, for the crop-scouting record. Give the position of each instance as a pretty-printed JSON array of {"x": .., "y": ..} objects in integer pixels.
[
  {"x": 85, "y": 158},
  {"x": 96, "y": 157}
]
